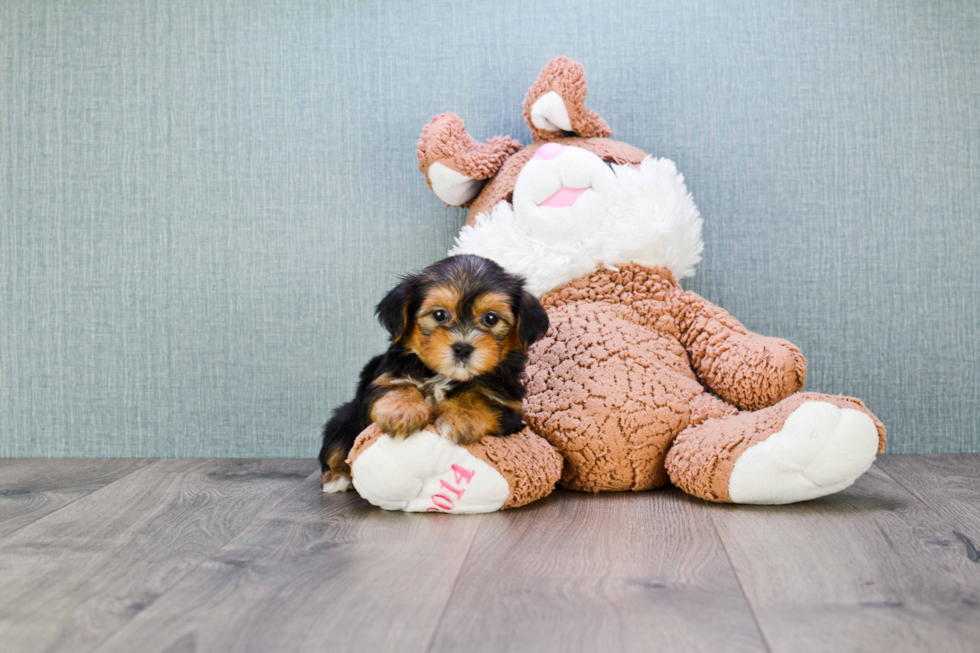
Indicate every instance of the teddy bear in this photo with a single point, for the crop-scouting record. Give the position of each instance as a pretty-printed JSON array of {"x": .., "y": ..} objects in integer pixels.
[{"x": 638, "y": 383}]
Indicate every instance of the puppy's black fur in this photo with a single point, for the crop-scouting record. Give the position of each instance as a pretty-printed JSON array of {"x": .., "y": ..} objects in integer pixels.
[{"x": 489, "y": 398}]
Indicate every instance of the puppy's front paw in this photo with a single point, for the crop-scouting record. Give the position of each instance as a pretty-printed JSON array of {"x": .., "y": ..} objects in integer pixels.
[
  {"x": 465, "y": 426},
  {"x": 401, "y": 413}
]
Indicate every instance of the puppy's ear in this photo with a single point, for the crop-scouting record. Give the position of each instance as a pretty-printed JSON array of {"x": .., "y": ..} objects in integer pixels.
[
  {"x": 532, "y": 321},
  {"x": 392, "y": 311}
]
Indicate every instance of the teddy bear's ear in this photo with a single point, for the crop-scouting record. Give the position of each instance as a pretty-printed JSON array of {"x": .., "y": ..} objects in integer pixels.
[
  {"x": 555, "y": 105},
  {"x": 454, "y": 164}
]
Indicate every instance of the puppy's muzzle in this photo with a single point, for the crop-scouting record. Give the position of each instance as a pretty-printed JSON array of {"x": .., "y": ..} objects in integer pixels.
[{"x": 462, "y": 351}]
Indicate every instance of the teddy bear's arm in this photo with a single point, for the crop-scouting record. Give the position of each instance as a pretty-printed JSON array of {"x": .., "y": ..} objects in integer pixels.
[{"x": 743, "y": 368}]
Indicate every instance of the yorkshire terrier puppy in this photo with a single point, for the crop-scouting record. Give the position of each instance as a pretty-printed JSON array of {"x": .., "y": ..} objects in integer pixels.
[{"x": 460, "y": 330}]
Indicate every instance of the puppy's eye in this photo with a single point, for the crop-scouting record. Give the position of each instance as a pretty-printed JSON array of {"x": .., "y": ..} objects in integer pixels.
[
  {"x": 440, "y": 316},
  {"x": 490, "y": 320}
]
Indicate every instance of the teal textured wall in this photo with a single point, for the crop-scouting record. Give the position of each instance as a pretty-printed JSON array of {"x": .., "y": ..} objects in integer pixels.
[{"x": 200, "y": 202}]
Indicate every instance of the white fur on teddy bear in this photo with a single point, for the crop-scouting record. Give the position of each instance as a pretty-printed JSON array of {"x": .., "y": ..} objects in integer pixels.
[{"x": 644, "y": 215}]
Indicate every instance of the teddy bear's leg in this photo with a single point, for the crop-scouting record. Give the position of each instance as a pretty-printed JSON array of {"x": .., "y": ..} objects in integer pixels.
[
  {"x": 427, "y": 473},
  {"x": 807, "y": 446}
]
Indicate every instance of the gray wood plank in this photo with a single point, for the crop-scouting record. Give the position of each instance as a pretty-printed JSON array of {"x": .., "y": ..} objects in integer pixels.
[
  {"x": 35, "y": 487},
  {"x": 870, "y": 568},
  {"x": 950, "y": 485},
  {"x": 611, "y": 572},
  {"x": 75, "y": 576},
  {"x": 314, "y": 573}
]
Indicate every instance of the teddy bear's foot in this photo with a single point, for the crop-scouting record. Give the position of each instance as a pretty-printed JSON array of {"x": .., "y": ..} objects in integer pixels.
[
  {"x": 804, "y": 447},
  {"x": 821, "y": 449},
  {"x": 425, "y": 472}
]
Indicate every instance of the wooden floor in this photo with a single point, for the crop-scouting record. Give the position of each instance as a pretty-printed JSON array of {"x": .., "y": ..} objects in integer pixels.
[{"x": 248, "y": 555}]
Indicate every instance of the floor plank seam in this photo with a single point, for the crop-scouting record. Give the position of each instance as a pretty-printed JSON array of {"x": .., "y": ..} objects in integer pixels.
[
  {"x": 452, "y": 590},
  {"x": 915, "y": 495},
  {"x": 738, "y": 578},
  {"x": 898, "y": 564},
  {"x": 905, "y": 487},
  {"x": 101, "y": 644},
  {"x": 76, "y": 499},
  {"x": 971, "y": 552},
  {"x": 911, "y": 490}
]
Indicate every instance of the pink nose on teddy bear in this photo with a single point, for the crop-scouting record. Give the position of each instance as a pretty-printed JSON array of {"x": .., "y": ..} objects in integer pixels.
[{"x": 549, "y": 151}]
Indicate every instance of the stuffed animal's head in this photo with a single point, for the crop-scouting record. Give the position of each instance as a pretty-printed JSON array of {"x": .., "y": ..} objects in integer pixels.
[{"x": 569, "y": 202}]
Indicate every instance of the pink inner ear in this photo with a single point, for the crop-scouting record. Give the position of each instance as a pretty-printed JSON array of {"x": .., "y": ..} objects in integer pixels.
[{"x": 564, "y": 197}]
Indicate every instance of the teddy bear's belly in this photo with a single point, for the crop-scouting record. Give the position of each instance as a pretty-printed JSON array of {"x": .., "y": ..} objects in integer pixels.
[{"x": 610, "y": 395}]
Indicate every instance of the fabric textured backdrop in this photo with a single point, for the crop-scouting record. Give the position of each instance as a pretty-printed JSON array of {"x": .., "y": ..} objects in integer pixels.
[{"x": 200, "y": 202}]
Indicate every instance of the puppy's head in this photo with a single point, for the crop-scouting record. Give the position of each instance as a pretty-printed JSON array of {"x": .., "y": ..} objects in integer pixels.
[{"x": 462, "y": 316}]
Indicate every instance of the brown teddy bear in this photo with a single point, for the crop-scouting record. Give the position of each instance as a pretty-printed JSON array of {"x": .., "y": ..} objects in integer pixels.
[{"x": 638, "y": 383}]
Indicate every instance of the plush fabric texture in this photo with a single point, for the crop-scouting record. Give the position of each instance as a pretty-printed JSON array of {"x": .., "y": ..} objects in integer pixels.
[
  {"x": 625, "y": 384},
  {"x": 612, "y": 383},
  {"x": 703, "y": 456},
  {"x": 444, "y": 140},
  {"x": 747, "y": 370},
  {"x": 501, "y": 187},
  {"x": 644, "y": 214},
  {"x": 528, "y": 464},
  {"x": 819, "y": 450},
  {"x": 426, "y": 473},
  {"x": 566, "y": 78}
]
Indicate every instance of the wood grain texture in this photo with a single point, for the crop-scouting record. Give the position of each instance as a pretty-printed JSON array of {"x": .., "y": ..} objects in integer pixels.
[
  {"x": 229, "y": 555},
  {"x": 870, "y": 568},
  {"x": 76, "y": 576},
  {"x": 950, "y": 485},
  {"x": 611, "y": 572},
  {"x": 314, "y": 573},
  {"x": 31, "y": 489}
]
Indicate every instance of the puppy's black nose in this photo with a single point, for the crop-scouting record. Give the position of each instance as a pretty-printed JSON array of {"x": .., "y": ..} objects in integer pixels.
[{"x": 462, "y": 350}]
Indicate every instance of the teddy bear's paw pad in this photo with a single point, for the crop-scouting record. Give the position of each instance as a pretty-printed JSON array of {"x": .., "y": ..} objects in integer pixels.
[
  {"x": 427, "y": 473},
  {"x": 820, "y": 450}
]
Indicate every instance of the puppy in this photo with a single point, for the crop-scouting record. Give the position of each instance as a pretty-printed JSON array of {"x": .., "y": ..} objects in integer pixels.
[{"x": 460, "y": 330}]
